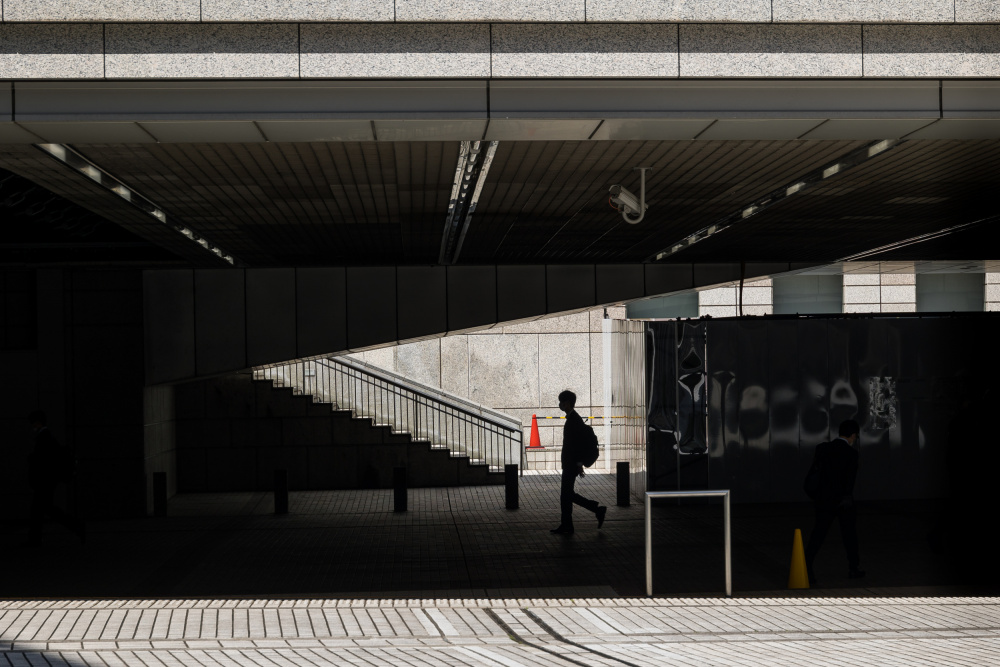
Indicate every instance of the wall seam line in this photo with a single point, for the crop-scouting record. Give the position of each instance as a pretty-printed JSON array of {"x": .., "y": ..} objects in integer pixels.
[
  {"x": 677, "y": 26},
  {"x": 862, "y": 50}
]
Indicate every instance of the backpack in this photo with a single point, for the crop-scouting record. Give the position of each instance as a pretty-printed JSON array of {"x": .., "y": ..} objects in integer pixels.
[{"x": 590, "y": 450}]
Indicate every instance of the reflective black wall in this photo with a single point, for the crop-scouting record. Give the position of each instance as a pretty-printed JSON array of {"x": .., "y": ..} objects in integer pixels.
[{"x": 779, "y": 386}]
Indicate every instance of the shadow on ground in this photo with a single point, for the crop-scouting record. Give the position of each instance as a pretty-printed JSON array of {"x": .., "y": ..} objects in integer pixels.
[{"x": 456, "y": 542}]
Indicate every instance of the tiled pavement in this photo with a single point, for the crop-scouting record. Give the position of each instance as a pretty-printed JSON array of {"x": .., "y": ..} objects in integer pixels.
[
  {"x": 453, "y": 542},
  {"x": 460, "y": 580},
  {"x": 502, "y": 632}
]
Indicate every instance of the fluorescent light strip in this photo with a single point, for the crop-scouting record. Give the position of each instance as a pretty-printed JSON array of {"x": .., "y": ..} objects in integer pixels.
[
  {"x": 464, "y": 196},
  {"x": 848, "y": 161},
  {"x": 74, "y": 160}
]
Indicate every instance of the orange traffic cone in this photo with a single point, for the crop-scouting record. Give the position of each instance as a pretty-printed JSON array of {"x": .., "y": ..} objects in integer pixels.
[{"x": 536, "y": 440}]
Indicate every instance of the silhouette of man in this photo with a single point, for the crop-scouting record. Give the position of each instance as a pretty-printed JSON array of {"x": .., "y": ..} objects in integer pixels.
[
  {"x": 49, "y": 465},
  {"x": 838, "y": 466},
  {"x": 574, "y": 439}
]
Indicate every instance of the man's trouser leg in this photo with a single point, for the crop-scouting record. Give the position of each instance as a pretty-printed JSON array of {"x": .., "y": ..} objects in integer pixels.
[
  {"x": 586, "y": 503},
  {"x": 566, "y": 497},
  {"x": 849, "y": 533},
  {"x": 824, "y": 519},
  {"x": 42, "y": 503}
]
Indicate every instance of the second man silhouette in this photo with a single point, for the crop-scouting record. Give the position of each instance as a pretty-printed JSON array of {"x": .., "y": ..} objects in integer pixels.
[{"x": 574, "y": 441}]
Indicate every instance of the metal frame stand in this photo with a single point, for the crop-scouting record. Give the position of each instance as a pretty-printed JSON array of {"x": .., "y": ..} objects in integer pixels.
[{"x": 687, "y": 494}]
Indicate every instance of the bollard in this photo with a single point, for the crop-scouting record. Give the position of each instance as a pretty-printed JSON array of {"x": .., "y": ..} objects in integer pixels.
[
  {"x": 159, "y": 494},
  {"x": 399, "y": 489},
  {"x": 624, "y": 494},
  {"x": 510, "y": 483},
  {"x": 281, "y": 491}
]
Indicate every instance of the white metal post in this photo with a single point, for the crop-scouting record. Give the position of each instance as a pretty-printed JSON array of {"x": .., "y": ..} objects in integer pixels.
[{"x": 724, "y": 494}]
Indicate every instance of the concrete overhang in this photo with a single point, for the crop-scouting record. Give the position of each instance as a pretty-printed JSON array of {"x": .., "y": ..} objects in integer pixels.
[{"x": 450, "y": 110}]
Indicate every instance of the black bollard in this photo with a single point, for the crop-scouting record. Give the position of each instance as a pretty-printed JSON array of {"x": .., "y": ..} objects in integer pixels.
[
  {"x": 399, "y": 489},
  {"x": 624, "y": 494},
  {"x": 159, "y": 494},
  {"x": 510, "y": 484},
  {"x": 281, "y": 491}
]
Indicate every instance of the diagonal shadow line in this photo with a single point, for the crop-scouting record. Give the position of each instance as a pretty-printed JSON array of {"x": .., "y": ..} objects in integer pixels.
[{"x": 545, "y": 626}]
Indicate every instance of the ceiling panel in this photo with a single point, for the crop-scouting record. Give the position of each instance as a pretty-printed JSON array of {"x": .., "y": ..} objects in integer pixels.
[
  {"x": 365, "y": 202},
  {"x": 298, "y": 203},
  {"x": 914, "y": 189}
]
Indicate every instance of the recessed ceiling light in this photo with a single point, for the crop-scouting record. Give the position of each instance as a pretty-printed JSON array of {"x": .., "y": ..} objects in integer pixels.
[{"x": 74, "y": 160}]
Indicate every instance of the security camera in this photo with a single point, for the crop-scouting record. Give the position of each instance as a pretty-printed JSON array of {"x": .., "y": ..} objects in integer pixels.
[
  {"x": 625, "y": 200},
  {"x": 628, "y": 203}
]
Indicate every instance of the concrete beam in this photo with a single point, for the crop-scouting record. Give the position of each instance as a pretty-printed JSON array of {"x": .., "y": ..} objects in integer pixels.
[
  {"x": 460, "y": 110},
  {"x": 246, "y": 51},
  {"x": 207, "y": 322}
]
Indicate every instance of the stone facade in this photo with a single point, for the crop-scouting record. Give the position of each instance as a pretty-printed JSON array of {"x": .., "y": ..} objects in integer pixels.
[
  {"x": 374, "y": 49},
  {"x": 514, "y": 11}
]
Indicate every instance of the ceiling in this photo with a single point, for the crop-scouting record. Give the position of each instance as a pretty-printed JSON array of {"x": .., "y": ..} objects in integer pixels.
[{"x": 366, "y": 203}]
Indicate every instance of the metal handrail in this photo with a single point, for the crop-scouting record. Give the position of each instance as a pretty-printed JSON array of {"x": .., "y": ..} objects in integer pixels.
[
  {"x": 432, "y": 393},
  {"x": 687, "y": 494},
  {"x": 446, "y": 421}
]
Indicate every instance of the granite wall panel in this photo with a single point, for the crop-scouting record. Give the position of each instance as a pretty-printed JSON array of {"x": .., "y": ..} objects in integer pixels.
[
  {"x": 58, "y": 51},
  {"x": 874, "y": 11},
  {"x": 168, "y": 299},
  {"x": 220, "y": 321},
  {"x": 736, "y": 11},
  {"x": 563, "y": 363},
  {"x": 504, "y": 366},
  {"x": 977, "y": 11},
  {"x": 455, "y": 365},
  {"x": 101, "y": 10},
  {"x": 321, "y": 328},
  {"x": 421, "y": 301},
  {"x": 491, "y": 10},
  {"x": 932, "y": 50},
  {"x": 420, "y": 361},
  {"x": 353, "y": 51},
  {"x": 770, "y": 50},
  {"x": 371, "y": 305},
  {"x": 198, "y": 51},
  {"x": 584, "y": 51},
  {"x": 569, "y": 287},
  {"x": 472, "y": 297},
  {"x": 296, "y": 10},
  {"x": 271, "y": 308}
]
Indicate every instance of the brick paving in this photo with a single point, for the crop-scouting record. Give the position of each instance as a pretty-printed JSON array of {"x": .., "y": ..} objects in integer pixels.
[
  {"x": 456, "y": 543},
  {"x": 707, "y": 631},
  {"x": 459, "y": 580}
]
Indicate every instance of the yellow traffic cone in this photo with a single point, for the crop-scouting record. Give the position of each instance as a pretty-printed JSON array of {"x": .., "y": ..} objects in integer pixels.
[{"x": 797, "y": 575}]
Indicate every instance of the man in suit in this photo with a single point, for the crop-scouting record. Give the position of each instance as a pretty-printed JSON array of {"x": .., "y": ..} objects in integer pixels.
[
  {"x": 574, "y": 439},
  {"x": 49, "y": 465},
  {"x": 838, "y": 467}
]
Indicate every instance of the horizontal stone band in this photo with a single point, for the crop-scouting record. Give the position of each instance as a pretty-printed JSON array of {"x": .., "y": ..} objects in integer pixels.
[
  {"x": 572, "y": 11},
  {"x": 498, "y": 51}
]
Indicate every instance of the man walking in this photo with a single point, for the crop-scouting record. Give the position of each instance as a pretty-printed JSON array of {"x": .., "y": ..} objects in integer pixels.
[
  {"x": 837, "y": 464},
  {"x": 49, "y": 465},
  {"x": 574, "y": 440}
]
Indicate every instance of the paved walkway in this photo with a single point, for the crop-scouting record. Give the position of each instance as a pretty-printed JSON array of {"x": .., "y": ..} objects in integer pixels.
[
  {"x": 455, "y": 542},
  {"x": 501, "y": 632}
]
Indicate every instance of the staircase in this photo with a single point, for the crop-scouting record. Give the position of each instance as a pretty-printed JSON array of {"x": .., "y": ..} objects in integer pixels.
[{"x": 443, "y": 423}]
